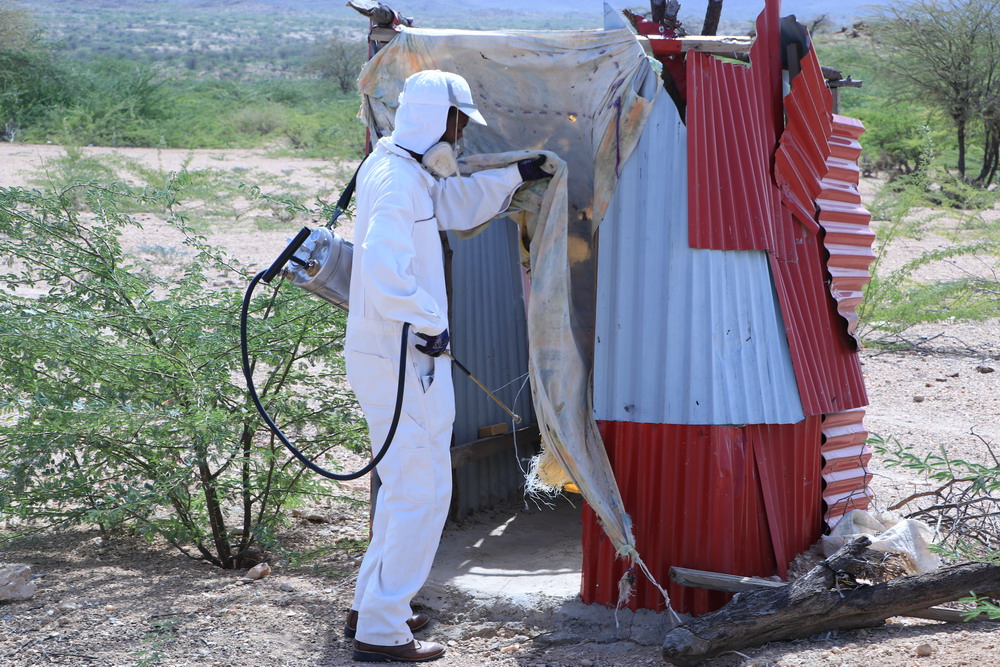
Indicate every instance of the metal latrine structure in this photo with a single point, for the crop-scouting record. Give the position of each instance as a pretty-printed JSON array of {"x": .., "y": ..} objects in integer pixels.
[{"x": 727, "y": 384}]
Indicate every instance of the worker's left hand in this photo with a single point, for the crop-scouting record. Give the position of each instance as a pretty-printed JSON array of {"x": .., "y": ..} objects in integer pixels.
[
  {"x": 531, "y": 168},
  {"x": 435, "y": 344}
]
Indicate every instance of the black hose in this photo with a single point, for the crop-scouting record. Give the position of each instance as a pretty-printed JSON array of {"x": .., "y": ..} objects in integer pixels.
[{"x": 248, "y": 374}]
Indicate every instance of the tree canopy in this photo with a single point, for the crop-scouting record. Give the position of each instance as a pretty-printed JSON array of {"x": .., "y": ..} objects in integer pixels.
[{"x": 946, "y": 53}]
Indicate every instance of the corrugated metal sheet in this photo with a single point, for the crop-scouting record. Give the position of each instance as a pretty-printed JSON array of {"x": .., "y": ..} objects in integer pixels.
[
  {"x": 826, "y": 363},
  {"x": 734, "y": 116},
  {"x": 845, "y": 465},
  {"x": 683, "y": 336},
  {"x": 848, "y": 237},
  {"x": 801, "y": 160},
  {"x": 695, "y": 500},
  {"x": 726, "y": 499},
  {"x": 489, "y": 336},
  {"x": 788, "y": 462},
  {"x": 816, "y": 168}
]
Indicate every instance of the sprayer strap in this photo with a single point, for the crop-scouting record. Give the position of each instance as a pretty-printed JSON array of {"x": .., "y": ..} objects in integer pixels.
[{"x": 345, "y": 196}]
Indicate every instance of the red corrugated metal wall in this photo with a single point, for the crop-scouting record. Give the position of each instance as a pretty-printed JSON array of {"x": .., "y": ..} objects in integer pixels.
[
  {"x": 734, "y": 115},
  {"x": 845, "y": 464},
  {"x": 845, "y": 220},
  {"x": 788, "y": 462},
  {"x": 746, "y": 500},
  {"x": 826, "y": 363},
  {"x": 702, "y": 496}
]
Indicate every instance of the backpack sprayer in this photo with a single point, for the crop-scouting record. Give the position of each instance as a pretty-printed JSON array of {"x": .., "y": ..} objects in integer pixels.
[{"x": 326, "y": 272}]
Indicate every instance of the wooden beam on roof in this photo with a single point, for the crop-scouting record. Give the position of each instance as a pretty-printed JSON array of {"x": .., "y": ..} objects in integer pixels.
[
  {"x": 703, "y": 43},
  {"x": 382, "y": 34}
]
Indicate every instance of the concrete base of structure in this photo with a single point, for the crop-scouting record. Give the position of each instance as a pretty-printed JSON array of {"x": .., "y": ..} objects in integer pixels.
[{"x": 523, "y": 564}]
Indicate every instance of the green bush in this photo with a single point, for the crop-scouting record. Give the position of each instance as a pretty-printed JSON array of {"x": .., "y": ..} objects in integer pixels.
[
  {"x": 261, "y": 120},
  {"x": 121, "y": 403},
  {"x": 32, "y": 84}
]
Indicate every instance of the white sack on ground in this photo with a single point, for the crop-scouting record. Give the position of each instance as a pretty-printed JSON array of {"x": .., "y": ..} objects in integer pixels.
[
  {"x": 584, "y": 96},
  {"x": 908, "y": 538}
]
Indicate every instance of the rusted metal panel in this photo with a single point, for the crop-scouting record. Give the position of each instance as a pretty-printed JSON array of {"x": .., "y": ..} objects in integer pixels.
[
  {"x": 734, "y": 116},
  {"x": 845, "y": 464},
  {"x": 801, "y": 160},
  {"x": 683, "y": 336}
]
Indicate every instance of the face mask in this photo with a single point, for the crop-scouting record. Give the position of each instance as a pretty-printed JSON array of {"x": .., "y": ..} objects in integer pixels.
[{"x": 439, "y": 159}]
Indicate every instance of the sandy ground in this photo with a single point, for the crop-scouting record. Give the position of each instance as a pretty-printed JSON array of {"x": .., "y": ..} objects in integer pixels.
[{"x": 127, "y": 602}]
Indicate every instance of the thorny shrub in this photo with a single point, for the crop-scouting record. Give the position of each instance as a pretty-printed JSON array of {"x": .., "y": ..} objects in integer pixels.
[{"x": 121, "y": 400}]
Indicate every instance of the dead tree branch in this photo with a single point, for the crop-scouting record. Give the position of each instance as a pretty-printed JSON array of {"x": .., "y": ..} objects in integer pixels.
[{"x": 824, "y": 599}]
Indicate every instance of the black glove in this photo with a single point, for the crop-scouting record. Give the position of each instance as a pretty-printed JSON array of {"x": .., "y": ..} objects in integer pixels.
[
  {"x": 531, "y": 168},
  {"x": 435, "y": 344}
]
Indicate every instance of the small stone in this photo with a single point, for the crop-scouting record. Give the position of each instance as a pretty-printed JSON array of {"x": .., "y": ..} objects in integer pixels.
[
  {"x": 510, "y": 649},
  {"x": 452, "y": 642},
  {"x": 286, "y": 588},
  {"x": 315, "y": 518},
  {"x": 940, "y": 380},
  {"x": 586, "y": 663},
  {"x": 985, "y": 369},
  {"x": 953, "y": 375},
  {"x": 15, "y": 583},
  {"x": 925, "y": 650},
  {"x": 928, "y": 384},
  {"x": 918, "y": 399},
  {"x": 258, "y": 571}
]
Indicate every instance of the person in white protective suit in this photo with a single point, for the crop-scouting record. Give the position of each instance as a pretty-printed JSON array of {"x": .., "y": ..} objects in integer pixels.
[{"x": 398, "y": 277}]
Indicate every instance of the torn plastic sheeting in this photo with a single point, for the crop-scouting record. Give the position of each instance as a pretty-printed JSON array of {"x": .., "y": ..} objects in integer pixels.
[
  {"x": 908, "y": 538},
  {"x": 585, "y": 96}
]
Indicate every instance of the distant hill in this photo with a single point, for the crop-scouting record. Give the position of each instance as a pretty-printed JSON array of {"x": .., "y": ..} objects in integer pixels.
[{"x": 735, "y": 10}]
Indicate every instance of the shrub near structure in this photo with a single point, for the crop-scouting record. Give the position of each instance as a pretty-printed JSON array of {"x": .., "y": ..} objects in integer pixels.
[{"x": 121, "y": 404}]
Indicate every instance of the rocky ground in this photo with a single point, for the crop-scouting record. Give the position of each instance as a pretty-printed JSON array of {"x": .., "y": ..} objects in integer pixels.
[{"x": 128, "y": 602}]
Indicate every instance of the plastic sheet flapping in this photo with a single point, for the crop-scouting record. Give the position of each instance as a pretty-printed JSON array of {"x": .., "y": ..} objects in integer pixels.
[{"x": 584, "y": 96}]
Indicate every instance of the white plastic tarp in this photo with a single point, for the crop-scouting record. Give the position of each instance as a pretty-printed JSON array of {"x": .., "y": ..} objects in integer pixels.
[{"x": 584, "y": 96}]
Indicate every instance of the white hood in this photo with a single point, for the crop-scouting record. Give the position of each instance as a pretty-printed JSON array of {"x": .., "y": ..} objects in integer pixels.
[{"x": 419, "y": 126}]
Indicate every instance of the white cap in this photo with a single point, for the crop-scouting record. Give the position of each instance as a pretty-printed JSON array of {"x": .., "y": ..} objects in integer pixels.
[
  {"x": 438, "y": 88},
  {"x": 422, "y": 116}
]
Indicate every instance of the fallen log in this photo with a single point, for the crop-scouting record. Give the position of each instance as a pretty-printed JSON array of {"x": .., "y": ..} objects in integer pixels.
[
  {"x": 824, "y": 599},
  {"x": 732, "y": 583}
]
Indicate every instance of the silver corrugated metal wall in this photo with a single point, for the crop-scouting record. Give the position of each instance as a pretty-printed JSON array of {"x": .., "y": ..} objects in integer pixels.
[
  {"x": 684, "y": 336},
  {"x": 489, "y": 336}
]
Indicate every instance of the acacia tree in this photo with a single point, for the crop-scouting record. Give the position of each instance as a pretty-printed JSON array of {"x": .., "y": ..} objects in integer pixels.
[
  {"x": 339, "y": 59},
  {"x": 121, "y": 403},
  {"x": 942, "y": 53},
  {"x": 30, "y": 80}
]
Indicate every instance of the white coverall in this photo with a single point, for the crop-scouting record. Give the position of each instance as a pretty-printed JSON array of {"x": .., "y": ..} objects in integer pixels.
[{"x": 397, "y": 277}]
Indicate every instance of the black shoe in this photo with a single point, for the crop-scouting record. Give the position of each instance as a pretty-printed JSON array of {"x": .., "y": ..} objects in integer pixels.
[
  {"x": 416, "y": 622},
  {"x": 413, "y": 652}
]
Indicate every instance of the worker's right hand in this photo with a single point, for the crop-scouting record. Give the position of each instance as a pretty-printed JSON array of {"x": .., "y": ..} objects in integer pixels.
[
  {"x": 531, "y": 168},
  {"x": 435, "y": 344}
]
